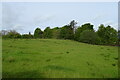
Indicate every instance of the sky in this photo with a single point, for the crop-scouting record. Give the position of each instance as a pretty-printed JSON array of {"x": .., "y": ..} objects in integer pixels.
[{"x": 25, "y": 17}]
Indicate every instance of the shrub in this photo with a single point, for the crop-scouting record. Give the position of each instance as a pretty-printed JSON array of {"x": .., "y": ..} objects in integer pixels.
[{"x": 89, "y": 36}]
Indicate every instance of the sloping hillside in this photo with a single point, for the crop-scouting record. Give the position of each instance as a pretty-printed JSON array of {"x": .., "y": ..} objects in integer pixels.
[{"x": 51, "y": 58}]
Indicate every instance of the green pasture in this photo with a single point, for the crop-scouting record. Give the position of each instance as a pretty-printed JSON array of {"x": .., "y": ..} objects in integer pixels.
[{"x": 52, "y": 58}]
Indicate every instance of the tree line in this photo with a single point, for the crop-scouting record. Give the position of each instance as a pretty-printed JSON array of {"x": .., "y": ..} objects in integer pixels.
[{"x": 105, "y": 35}]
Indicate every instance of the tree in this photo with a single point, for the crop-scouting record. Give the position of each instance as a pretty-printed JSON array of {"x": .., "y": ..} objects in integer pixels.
[
  {"x": 47, "y": 33},
  {"x": 27, "y": 36},
  {"x": 66, "y": 32},
  {"x": 77, "y": 33},
  {"x": 89, "y": 36},
  {"x": 84, "y": 27},
  {"x": 30, "y": 35},
  {"x": 72, "y": 25},
  {"x": 101, "y": 33},
  {"x": 56, "y": 33},
  {"x": 4, "y": 32},
  {"x": 38, "y": 33},
  {"x": 12, "y": 34},
  {"x": 111, "y": 36},
  {"x": 108, "y": 35},
  {"x": 87, "y": 26}
]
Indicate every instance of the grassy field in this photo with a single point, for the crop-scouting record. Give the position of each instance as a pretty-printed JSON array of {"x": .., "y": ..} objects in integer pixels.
[{"x": 51, "y": 58}]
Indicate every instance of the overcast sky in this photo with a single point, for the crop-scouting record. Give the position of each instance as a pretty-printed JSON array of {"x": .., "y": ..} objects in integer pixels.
[{"x": 24, "y": 17}]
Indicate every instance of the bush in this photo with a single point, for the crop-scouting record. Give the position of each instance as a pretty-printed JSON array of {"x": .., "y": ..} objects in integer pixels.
[
  {"x": 27, "y": 36},
  {"x": 90, "y": 37},
  {"x": 12, "y": 34},
  {"x": 56, "y": 33},
  {"x": 66, "y": 32},
  {"x": 82, "y": 28}
]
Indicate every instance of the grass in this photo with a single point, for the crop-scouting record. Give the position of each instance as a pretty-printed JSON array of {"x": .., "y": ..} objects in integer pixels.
[{"x": 51, "y": 58}]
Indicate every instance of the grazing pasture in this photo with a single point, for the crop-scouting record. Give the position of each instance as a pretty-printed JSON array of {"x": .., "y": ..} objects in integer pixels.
[{"x": 52, "y": 58}]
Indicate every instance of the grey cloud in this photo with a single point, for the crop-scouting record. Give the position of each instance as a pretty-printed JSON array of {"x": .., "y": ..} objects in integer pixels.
[
  {"x": 43, "y": 18},
  {"x": 18, "y": 27},
  {"x": 10, "y": 18}
]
